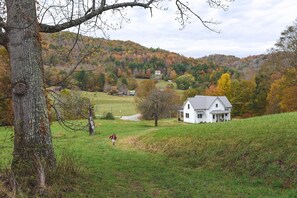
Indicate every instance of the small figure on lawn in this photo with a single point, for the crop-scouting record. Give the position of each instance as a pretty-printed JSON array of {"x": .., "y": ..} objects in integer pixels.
[{"x": 113, "y": 138}]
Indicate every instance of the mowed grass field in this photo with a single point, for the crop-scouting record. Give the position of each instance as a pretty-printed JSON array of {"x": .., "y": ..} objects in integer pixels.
[
  {"x": 243, "y": 158},
  {"x": 117, "y": 105}
]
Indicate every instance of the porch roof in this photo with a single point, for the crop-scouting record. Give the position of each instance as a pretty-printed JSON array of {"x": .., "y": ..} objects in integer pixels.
[{"x": 219, "y": 112}]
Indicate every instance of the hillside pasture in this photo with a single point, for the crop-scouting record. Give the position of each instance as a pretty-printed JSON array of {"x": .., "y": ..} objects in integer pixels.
[
  {"x": 261, "y": 147},
  {"x": 243, "y": 158},
  {"x": 117, "y": 105}
]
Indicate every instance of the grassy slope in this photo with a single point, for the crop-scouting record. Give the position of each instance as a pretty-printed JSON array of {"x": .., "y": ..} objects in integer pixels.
[
  {"x": 262, "y": 147},
  {"x": 173, "y": 171}
]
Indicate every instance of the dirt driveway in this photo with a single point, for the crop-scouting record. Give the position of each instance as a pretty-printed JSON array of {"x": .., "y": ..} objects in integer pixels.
[{"x": 132, "y": 117}]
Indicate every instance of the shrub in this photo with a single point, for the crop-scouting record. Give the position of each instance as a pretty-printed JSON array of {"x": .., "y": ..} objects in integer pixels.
[{"x": 108, "y": 116}]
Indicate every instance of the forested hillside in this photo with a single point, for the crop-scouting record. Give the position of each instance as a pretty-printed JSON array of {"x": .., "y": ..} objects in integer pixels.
[{"x": 97, "y": 59}]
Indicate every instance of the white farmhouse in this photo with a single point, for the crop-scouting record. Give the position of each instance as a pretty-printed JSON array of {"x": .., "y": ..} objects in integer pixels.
[{"x": 200, "y": 109}]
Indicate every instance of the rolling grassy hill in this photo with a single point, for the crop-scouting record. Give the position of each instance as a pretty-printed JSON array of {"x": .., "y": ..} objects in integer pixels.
[
  {"x": 261, "y": 147},
  {"x": 242, "y": 158}
]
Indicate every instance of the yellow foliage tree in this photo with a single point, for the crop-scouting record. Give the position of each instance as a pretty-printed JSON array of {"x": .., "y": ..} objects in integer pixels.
[{"x": 224, "y": 85}]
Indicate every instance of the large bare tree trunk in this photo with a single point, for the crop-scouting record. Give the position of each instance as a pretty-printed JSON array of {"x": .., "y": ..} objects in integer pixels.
[{"x": 33, "y": 150}]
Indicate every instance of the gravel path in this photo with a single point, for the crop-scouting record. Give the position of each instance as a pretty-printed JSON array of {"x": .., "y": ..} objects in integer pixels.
[{"x": 132, "y": 117}]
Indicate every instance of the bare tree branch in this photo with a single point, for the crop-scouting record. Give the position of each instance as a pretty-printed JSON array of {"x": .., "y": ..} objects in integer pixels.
[
  {"x": 59, "y": 27},
  {"x": 183, "y": 8}
]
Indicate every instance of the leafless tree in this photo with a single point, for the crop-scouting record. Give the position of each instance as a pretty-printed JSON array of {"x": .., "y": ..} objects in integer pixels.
[
  {"x": 21, "y": 21},
  {"x": 71, "y": 110},
  {"x": 287, "y": 44},
  {"x": 158, "y": 104}
]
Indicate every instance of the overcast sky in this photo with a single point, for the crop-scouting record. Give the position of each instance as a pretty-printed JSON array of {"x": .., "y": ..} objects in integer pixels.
[{"x": 249, "y": 27}]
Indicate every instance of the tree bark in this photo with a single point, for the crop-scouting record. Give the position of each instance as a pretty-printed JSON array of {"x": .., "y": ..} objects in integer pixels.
[
  {"x": 91, "y": 121},
  {"x": 33, "y": 150},
  {"x": 156, "y": 118}
]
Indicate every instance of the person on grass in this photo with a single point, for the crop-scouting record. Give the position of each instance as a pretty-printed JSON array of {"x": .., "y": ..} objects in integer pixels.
[{"x": 113, "y": 138}]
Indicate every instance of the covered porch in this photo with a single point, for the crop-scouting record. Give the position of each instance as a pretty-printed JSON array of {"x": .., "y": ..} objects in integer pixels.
[{"x": 220, "y": 116}]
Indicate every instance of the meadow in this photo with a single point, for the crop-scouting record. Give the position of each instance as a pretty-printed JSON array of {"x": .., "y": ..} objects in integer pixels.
[
  {"x": 254, "y": 157},
  {"x": 118, "y": 105}
]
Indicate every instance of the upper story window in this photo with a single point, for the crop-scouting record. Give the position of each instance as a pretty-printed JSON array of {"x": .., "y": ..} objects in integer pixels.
[
  {"x": 217, "y": 105},
  {"x": 188, "y": 106}
]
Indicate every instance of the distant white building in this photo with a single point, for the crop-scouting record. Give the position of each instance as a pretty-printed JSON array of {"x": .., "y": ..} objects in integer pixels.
[
  {"x": 200, "y": 109},
  {"x": 158, "y": 72}
]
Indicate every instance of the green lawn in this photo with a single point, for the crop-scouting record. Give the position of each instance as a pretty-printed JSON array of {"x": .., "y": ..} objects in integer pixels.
[
  {"x": 117, "y": 105},
  {"x": 177, "y": 159}
]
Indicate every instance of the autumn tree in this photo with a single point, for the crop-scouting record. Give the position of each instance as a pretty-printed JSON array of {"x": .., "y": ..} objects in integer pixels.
[
  {"x": 289, "y": 103},
  {"x": 189, "y": 93},
  {"x": 158, "y": 104},
  {"x": 222, "y": 88},
  {"x": 172, "y": 75},
  {"x": 241, "y": 97},
  {"x": 211, "y": 91},
  {"x": 185, "y": 81},
  {"x": 224, "y": 85},
  {"x": 282, "y": 93},
  {"x": 20, "y": 25},
  {"x": 143, "y": 89}
]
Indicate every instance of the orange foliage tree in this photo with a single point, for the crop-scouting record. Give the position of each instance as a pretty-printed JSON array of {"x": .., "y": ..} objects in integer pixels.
[{"x": 282, "y": 93}]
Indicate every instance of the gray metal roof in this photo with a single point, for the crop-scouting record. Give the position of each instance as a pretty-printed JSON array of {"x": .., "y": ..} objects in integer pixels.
[
  {"x": 219, "y": 112},
  {"x": 204, "y": 102}
]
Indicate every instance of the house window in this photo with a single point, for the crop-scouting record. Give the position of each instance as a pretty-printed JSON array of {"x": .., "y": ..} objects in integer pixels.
[
  {"x": 213, "y": 116},
  {"x": 187, "y": 115},
  {"x": 188, "y": 106},
  {"x": 226, "y": 114},
  {"x": 222, "y": 115},
  {"x": 199, "y": 115},
  {"x": 217, "y": 105}
]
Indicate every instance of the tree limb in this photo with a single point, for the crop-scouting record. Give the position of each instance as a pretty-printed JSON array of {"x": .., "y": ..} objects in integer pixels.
[
  {"x": 182, "y": 8},
  {"x": 95, "y": 12}
]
